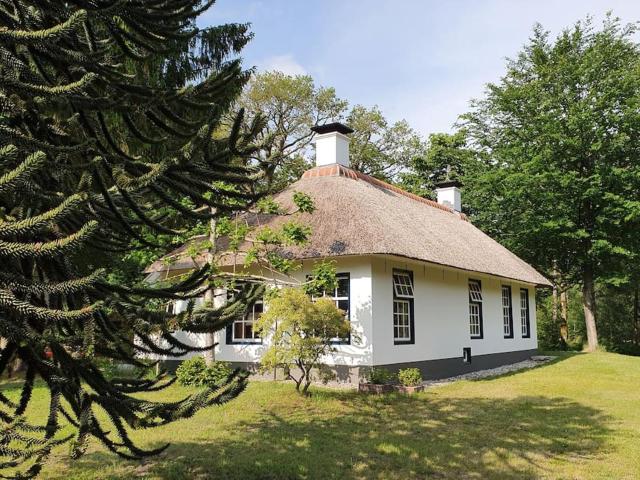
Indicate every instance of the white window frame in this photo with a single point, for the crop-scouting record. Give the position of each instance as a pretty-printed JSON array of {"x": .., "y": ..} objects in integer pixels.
[
  {"x": 403, "y": 295},
  {"x": 475, "y": 291},
  {"x": 476, "y": 328},
  {"x": 475, "y": 320},
  {"x": 525, "y": 321},
  {"x": 337, "y": 299},
  {"x": 244, "y": 321},
  {"x": 507, "y": 312},
  {"x": 402, "y": 284},
  {"x": 405, "y": 315}
]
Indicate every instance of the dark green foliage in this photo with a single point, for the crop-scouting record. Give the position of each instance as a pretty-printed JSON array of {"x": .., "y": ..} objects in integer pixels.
[
  {"x": 447, "y": 157},
  {"x": 549, "y": 330},
  {"x": 562, "y": 130},
  {"x": 410, "y": 377},
  {"x": 619, "y": 318},
  {"x": 195, "y": 372},
  {"x": 109, "y": 138},
  {"x": 380, "y": 376}
]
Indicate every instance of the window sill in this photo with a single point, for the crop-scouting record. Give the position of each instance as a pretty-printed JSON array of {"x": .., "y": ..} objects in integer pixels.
[
  {"x": 244, "y": 342},
  {"x": 403, "y": 342}
]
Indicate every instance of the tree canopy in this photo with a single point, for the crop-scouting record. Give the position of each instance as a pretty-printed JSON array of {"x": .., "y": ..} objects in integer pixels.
[
  {"x": 294, "y": 104},
  {"x": 301, "y": 331},
  {"x": 290, "y": 106},
  {"x": 562, "y": 129}
]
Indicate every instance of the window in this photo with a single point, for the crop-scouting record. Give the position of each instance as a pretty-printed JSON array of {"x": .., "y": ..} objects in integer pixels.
[
  {"x": 475, "y": 291},
  {"x": 242, "y": 331},
  {"x": 403, "y": 328},
  {"x": 507, "y": 312},
  {"x": 340, "y": 295},
  {"x": 402, "y": 285},
  {"x": 524, "y": 313},
  {"x": 475, "y": 309}
]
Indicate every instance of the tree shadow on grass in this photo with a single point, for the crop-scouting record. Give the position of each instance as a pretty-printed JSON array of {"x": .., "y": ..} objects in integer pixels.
[{"x": 386, "y": 437}]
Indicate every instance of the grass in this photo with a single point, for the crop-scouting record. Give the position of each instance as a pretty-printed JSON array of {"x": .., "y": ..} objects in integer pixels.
[{"x": 576, "y": 418}]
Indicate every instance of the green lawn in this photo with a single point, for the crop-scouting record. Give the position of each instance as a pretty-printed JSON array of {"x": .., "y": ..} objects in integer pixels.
[{"x": 576, "y": 418}]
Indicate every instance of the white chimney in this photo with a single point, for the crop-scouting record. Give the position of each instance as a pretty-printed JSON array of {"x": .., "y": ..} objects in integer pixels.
[
  {"x": 449, "y": 194},
  {"x": 332, "y": 144}
]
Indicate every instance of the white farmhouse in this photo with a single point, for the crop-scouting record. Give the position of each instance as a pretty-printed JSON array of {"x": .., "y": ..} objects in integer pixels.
[{"x": 420, "y": 284}]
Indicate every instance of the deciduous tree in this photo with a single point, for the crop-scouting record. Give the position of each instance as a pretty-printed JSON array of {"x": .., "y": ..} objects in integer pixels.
[
  {"x": 291, "y": 105},
  {"x": 381, "y": 148},
  {"x": 301, "y": 332},
  {"x": 563, "y": 131}
]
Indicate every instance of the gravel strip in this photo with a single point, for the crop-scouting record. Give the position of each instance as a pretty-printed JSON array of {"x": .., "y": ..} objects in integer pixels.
[{"x": 492, "y": 372}]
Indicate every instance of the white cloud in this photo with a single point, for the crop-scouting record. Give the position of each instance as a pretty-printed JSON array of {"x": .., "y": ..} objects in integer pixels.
[{"x": 282, "y": 63}]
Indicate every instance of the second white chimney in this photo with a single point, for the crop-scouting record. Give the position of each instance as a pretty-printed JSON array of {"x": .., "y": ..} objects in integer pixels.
[
  {"x": 332, "y": 144},
  {"x": 449, "y": 194}
]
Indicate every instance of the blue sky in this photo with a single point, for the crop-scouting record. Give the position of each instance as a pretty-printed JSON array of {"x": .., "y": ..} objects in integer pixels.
[{"x": 422, "y": 60}]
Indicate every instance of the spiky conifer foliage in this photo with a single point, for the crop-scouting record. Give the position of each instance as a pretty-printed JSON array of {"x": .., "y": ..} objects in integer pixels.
[{"x": 93, "y": 143}]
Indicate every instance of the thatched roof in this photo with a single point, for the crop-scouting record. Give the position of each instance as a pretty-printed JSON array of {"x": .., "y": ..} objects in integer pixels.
[{"x": 359, "y": 215}]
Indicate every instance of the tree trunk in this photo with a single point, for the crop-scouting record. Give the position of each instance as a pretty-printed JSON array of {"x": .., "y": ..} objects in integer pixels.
[
  {"x": 589, "y": 306},
  {"x": 307, "y": 381},
  {"x": 636, "y": 314},
  {"x": 564, "y": 318},
  {"x": 210, "y": 337},
  {"x": 554, "y": 304}
]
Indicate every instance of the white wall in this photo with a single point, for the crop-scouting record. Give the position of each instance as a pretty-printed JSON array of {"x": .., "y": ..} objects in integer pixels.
[
  {"x": 357, "y": 353},
  {"x": 442, "y": 314}
]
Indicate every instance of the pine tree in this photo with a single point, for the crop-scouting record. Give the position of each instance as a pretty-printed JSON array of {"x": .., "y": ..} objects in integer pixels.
[{"x": 93, "y": 144}]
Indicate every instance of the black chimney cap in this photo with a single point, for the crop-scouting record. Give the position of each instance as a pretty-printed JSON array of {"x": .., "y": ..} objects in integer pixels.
[
  {"x": 449, "y": 183},
  {"x": 332, "y": 127}
]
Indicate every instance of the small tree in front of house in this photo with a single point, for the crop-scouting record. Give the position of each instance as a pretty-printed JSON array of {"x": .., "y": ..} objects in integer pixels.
[{"x": 302, "y": 332}]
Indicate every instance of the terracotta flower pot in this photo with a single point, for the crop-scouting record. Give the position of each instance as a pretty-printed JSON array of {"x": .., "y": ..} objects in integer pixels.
[
  {"x": 374, "y": 388},
  {"x": 409, "y": 390}
]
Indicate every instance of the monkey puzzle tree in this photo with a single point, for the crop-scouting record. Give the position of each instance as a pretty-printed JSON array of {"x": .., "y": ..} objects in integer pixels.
[{"x": 92, "y": 147}]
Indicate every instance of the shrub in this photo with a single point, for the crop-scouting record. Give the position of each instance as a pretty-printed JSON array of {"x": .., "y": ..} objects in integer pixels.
[
  {"x": 380, "y": 376},
  {"x": 195, "y": 372},
  {"x": 191, "y": 371},
  {"x": 302, "y": 331},
  {"x": 215, "y": 373},
  {"x": 108, "y": 367},
  {"x": 410, "y": 377}
]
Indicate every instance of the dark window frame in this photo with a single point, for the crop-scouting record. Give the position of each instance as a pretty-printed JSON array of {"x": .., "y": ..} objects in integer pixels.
[
  {"x": 508, "y": 287},
  {"x": 347, "y": 276},
  {"x": 479, "y": 304},
  {"x": 527, "y": 313},
  {"x": 410, "y": 300},
  {"x": 347, "y": 340},
  {"x": 229, "y": 329}
]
